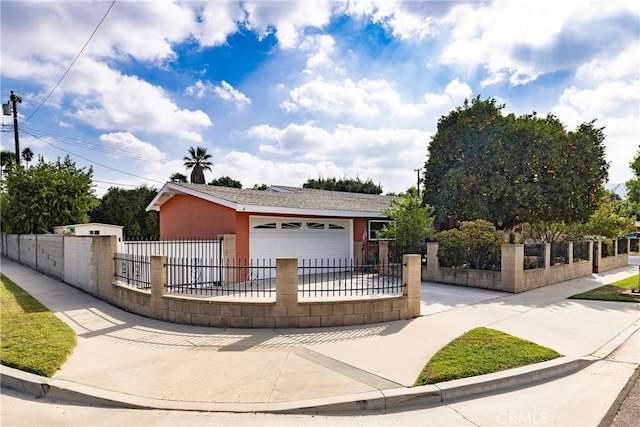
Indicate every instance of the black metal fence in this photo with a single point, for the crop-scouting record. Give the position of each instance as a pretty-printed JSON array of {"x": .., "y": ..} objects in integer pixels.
[
  {"x": 607, "y": 249},
  {"x": 559, "y": 253},
  {"x": 133, "y": 270},
  {"x": 580, "y": 251},
  {"x": 209, "y": 277},
  {"x": 534, "y": 255},
  {"x": 346, "y": 278},
  {"x": 634, "y": 245},
  {"x": 622, "y": 246}
]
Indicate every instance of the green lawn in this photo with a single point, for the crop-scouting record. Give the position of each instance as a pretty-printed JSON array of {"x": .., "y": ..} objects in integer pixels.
[
  {"x": 32, "y": 339},
  {"x": 612, "y": 292},
  {"x": 481, "y": 351}
]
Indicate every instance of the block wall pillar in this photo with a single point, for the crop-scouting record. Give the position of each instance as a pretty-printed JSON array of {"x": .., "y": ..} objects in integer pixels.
[
  {"x": 286, "y": 292},
  {"x": 411, "y": 272},
  {"x": 229, "y": 259},
  {"x": 512, "y": 270},
  {"x": 158, "y": 279},
  {"x": 432, "y": 261}
]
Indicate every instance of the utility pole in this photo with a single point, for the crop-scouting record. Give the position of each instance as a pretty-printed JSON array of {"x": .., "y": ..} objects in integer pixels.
[
  {"x": 15, "y": 100},
  {"x": 418, "y": 172}
]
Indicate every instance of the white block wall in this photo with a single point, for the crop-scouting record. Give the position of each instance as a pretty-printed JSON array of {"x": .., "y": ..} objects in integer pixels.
[
  {"x": 50, "y": 256},
  {"x": 78, "y": 270}
]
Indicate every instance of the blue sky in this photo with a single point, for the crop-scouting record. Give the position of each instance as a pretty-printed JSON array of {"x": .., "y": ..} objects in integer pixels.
[{"x": 279, "y": 92}]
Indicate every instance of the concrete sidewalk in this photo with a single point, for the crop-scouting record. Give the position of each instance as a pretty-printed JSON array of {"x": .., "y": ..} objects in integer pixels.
[{"x": 129, "y": 360}]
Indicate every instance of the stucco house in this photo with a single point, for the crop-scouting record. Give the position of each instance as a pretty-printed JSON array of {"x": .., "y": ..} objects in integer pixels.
[
  {"x": 277, "y": 222},
  {"x": 90, "y": 229}
]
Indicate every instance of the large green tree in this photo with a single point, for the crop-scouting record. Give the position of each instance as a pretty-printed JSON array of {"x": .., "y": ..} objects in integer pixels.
[
  {"x": 198, "y": 161},
  {"x": 509, "y": 170},
  {"x": 45, "y": 195},
  {"x": 349, "y": 185},
  {"x": 127, "y": 208},
  {"x": 226, "y": 181}
]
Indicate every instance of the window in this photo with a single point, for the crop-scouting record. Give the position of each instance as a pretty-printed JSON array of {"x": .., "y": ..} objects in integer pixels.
[
  {"x": 269, "y": 225},
  {"x": 291, "y": 225},
  {"x": 376, "y": 226},
  {"x": 336, "y": 227},
  {"x": 315, "y": 226},
  {"x": 94, "y": 232}
]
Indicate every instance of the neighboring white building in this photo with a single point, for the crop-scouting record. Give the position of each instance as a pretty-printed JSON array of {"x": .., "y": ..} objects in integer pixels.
[{"x": 91, "y": 229}]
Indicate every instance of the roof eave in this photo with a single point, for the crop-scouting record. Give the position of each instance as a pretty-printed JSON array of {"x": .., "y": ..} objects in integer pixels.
[
  {"x": 169, "y": 190},
  {"x": 274, "y": 210}
]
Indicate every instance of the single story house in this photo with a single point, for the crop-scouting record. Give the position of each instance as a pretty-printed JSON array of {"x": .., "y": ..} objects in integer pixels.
[
  {"x": 277, "y": 222},
  {"x": 90, "y": 229}
]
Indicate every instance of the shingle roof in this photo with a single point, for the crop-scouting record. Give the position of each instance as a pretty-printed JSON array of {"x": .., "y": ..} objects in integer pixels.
[{"x": 284, "y": 197}]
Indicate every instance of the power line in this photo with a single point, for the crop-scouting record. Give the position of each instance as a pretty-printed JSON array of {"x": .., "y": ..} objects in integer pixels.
[
  {"x": 72, "y": 62},
  {"x": 92, "y": 161}
]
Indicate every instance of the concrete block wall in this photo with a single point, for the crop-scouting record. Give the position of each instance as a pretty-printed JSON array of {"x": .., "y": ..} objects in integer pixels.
[
  {"x": 512, "y": 277},
  {"x": 615, "y": 261},
  {"x": 285, "y": 312},
  {"x": 12, "y": 246},
  {"x": 28, "y": 252},
  {"x": 78, "y": 268},
  {"x": 50, "y": 255}
]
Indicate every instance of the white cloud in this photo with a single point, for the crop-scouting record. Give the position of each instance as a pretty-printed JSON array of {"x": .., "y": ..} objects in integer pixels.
[
  {"x": 125, "y": 142},
  {"x": 216, "y": 21},
  {"x": 112, "y": 101},
  {"x": 229, "y": 93},
  {"x": 616, "y": 105},
  {"x": 622, "y": 65},
  {"x": 370, "y": 99},
  {"x": 404, "y": 20},
  {"x": 345, "y": 141},
  {"x": 386, "y": 155},
  {"x": 320, "y": 49},
  {"x": 287, "y": 19},
  {"x": 224, "y": 91},
  {"x": 520, "y": 41}
]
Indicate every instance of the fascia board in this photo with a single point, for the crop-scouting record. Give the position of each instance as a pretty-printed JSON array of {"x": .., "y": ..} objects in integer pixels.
[{"x": 274, "y": 210}]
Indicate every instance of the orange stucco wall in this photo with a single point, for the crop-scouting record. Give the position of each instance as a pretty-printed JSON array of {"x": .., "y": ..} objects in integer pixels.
[
  {"x": 359, "y": 225},
  {"x": 187, "y": 217}
]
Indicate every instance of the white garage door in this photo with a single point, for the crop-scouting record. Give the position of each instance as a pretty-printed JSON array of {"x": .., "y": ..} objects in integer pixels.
[{"x": 309, "y": 239}]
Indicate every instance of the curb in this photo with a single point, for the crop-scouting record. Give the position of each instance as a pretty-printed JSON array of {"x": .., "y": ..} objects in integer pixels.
[{"x": 446, "y": 392}]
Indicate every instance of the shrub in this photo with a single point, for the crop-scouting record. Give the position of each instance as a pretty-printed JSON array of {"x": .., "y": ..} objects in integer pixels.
[{"x": 475, "y": 245}]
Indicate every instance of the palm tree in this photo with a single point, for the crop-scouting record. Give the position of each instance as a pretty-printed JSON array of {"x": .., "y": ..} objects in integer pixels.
[
  {"x": 178, "y": 177},
  {"x": 199, "y": 162},
  {"x": 27, "y": 156}
]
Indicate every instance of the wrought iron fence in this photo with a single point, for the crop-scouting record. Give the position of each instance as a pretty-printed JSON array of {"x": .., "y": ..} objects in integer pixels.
[
  {"x": 208, "y": 277},
  {"x": 607, "y": 249},
  {"x": 622, "y": 246},
  {"x": 133, "y": 270},
  {"x": 396, "y": 252},
  {"x": 559, "y": 253},
  {"x": 346, "y": 278},
  {"x": 133, "y": 260},
  {"x": 580, "y": 251},
  {"x": 534, "y": 255},
  {"x": 634, "y": 247}
]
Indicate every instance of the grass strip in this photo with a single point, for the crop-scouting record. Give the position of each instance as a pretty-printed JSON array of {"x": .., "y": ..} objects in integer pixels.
[
  {"x": 482, "y": 351},
  {"x": 32, "y": 338},
  {"x": 612, "y": 291}
]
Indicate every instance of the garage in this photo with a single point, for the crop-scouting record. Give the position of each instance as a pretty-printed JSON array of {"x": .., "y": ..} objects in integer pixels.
[{"x": 302, "y": 238}]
